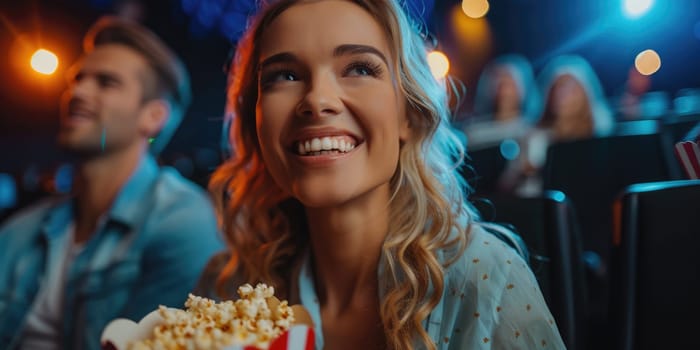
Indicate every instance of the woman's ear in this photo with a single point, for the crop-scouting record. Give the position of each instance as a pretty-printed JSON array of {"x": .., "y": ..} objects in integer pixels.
[
  {"x": 154, "y": 116},
  {"x": 405, "y": 131}
]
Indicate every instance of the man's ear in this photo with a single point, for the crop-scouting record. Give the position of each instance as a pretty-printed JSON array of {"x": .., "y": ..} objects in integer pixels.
[{"x": 154, "y": 116}]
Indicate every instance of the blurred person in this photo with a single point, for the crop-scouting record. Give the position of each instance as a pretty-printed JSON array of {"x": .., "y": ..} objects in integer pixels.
[
  {"x": 575, "y": 108},
  {"x": 627, "y": 105},
  {"x": 506, "y": 105},
  {"x": 130, "y": 236},
  {"x": 342, "y": 190}
]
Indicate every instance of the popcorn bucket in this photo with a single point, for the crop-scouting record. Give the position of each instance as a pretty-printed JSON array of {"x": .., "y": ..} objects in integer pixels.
[
  {"x": 299, "y": 337},
  {"x": 121, "y": 332},
  {"x": 688, "y": 154},
  {"x": 245, "y": 324}
]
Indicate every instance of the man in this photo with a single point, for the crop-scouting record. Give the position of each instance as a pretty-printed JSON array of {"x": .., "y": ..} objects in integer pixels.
[{"x": 131, "y": 236}]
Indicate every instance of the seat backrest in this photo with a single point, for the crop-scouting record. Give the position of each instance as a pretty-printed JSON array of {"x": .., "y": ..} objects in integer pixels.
[
  {"x": 656, "y": 284},
  {"x": 592, "y": 173},
  {"x": 678, "y": 126},
  {"x": 547, "y": 226},
  {"x": 483, "y": 168}
]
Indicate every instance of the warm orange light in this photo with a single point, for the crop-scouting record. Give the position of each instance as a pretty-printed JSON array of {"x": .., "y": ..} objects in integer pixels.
[
  {"x": 475, "y": 8},
  {"x": 647, "y": 62},
  {"x": 44, "y": 61},
  {"x": 439, "y": 64},
  {"x": 474, "y": 39}
]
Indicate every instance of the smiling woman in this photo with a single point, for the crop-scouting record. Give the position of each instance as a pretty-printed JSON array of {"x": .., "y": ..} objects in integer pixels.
[{"x": 343, "y": 194}]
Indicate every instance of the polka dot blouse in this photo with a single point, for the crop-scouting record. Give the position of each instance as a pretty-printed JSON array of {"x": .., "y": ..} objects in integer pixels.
[{"x": 491, "y": 301}]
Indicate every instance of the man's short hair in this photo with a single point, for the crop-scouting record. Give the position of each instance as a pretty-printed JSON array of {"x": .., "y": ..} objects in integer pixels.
[{"x": 172, "y": 80}]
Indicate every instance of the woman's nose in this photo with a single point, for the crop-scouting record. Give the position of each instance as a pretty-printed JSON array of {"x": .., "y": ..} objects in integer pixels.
[{"x": 322, "y": 98}]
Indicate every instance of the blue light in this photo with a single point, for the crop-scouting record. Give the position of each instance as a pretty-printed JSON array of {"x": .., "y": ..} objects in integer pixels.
[
  {"x": 8, "y": 191},
  {"x": 63, "y": 178},
  {"x": 636, "y": 8},
  {"x": 557, "y": 196},
  {"x": 510, "y": 149}
]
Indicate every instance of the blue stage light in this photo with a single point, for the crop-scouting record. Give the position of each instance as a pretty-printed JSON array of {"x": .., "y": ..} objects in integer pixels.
[{"x": 636, "y": 8}]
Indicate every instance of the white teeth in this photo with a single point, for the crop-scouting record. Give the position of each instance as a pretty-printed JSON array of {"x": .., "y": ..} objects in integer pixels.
[
  {"x": 315, "y": 145},
  {"x": 325, "y": 145}
]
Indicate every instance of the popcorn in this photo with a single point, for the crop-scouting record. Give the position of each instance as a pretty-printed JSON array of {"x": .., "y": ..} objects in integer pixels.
[{"x": 257, "y": 318}]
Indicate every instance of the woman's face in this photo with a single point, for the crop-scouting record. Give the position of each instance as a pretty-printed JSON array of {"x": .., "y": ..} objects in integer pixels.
[
  {"x": 506, "y": 96},
  {"x": 571, "y": 108},
  {"x": 329, "y": 116}
]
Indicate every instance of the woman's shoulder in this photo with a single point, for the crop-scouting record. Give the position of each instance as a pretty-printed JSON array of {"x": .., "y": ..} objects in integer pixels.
[
  {"x": 487, "y": 256},
  {"x": 492, "y": 296}
]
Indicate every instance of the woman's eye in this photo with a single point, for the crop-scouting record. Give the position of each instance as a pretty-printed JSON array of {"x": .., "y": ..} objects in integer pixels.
[
  {"x": 363, "y": 69},
  {"x": 287, "y": 76},
  {"x": 279, "y": 76}
]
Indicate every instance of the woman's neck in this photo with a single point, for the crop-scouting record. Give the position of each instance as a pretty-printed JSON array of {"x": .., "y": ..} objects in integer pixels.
[{"x": 347, "y": 243}]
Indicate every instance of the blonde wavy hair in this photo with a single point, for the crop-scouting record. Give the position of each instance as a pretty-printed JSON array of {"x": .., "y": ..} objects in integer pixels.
[{"x": 430, "y": 219}]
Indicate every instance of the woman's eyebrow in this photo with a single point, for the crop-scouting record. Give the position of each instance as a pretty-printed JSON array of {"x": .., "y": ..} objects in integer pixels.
[
  {"x": 282, "y": 57},
  {"x": 347, "y": 49},
  {"x": 358, "y": 49}
]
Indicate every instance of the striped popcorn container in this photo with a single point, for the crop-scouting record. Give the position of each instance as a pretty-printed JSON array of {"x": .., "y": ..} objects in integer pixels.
[
  {"x": 121, "y": 332},
  {"x": 688, "y": 154},
  {"x": 298, "y": 337}
]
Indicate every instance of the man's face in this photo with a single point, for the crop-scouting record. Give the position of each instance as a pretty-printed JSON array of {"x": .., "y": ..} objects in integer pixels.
[{"x": 103, "y": 105}]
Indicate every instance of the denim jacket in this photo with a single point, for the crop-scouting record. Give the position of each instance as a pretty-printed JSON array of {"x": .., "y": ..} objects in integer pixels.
[{"x": 149, "y": 250}]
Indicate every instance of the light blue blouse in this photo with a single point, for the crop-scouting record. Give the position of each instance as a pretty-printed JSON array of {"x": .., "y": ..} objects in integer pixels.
[{"x": 491, "y": 300}]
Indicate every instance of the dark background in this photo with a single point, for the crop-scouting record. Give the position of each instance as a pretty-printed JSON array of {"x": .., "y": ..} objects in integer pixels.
[{"x": 198, "y": 30}]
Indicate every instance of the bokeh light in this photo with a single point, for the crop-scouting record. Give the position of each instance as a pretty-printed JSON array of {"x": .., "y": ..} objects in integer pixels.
[
  {"x": 63, "y": 178},
  {"x": 474, "y": 44},
  {"x": 44, "y": 61},
  {"x": 475, "y": 8},
  {"x": 636, "y": 8},
  {"x": 647, "y": 62},
  {"x": 510, "y": 149},
  {"x": 439, "y": 64},
  {"x": 8, "y": 191}
]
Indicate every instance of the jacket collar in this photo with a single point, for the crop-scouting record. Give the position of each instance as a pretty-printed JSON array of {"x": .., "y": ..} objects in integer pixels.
[{"x": 128, "y": 206}]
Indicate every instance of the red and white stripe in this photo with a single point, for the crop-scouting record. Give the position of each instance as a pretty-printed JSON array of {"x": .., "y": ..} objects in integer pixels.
[
  {"x": 688, "y": 153},
  {"x": 298, "y": 337}
]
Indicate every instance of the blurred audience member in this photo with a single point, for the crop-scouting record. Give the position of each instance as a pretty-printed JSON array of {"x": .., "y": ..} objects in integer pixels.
[
  {"x": 687, "y": 101},
  {"x": 129, "y": 236},
  {"x": 627, "y": 104},
  {"x": 575, "y": 108},
  {"x": 507, "y": 102},
  {"x": 654, "y": 105}
]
